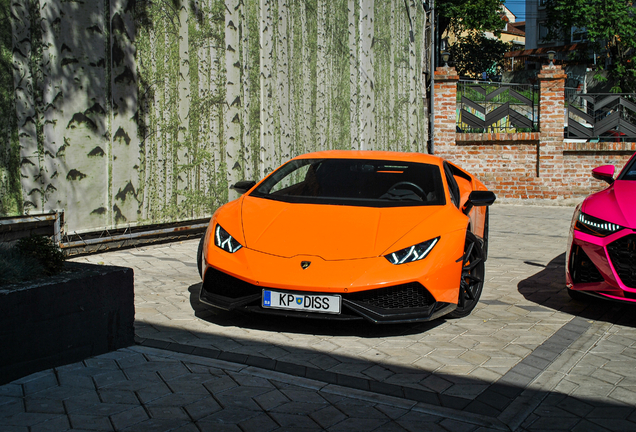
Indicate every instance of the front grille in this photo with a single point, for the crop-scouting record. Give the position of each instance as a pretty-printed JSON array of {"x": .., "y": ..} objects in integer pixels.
[
  {"x": 407, "y": 296},
  {"x": 411, "y": 295},
  {"x": 622, "y": 252},
  {"x": 582, "y": 268},
  {"x": 222, "y": 284}
]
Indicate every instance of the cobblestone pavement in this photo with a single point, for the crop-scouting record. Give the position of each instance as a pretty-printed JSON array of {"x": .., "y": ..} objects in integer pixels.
[
  {"x": 528, "y": 358},
  {"x": 146, "y": 389}
]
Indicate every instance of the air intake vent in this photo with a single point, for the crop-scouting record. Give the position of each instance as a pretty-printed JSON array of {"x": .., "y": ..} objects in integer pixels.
[
  {"x": 582, "y": 268},
  {"x": 411, "y": 295},
  {"x": 622, "y": 252},
  {"x": 222, "y": 284}
]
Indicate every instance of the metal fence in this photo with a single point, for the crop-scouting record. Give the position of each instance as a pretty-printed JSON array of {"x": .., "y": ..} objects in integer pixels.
[
  {"x": 496, "y": 107},
  {"x": 601, "y": 116}
]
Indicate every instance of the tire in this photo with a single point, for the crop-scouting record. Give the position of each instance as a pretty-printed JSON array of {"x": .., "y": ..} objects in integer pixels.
[
  {"x": 486, "y": 227},
  {"x": 573, "y": 264},
  {"x": 472, "y": 279},
  {"x": 577, "y": 295},
  {"x": 200, "y": 257}
]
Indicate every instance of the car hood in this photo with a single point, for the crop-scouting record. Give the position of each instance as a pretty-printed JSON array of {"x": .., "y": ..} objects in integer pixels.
[
  {"x": 331, "y": 232},
  {"x": 616, "y": 204}
]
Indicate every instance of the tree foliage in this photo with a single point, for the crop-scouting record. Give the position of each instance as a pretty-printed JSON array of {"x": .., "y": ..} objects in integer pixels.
[
  {"x": 476, "y": 53},
  {"x": 29, "y": 258},
  {"x": 611, "y": 31},
  {"x": 459, "y": 16}
]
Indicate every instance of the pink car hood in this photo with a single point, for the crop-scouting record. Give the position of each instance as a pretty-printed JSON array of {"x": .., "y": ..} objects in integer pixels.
[{"x": 616, "y": 204}]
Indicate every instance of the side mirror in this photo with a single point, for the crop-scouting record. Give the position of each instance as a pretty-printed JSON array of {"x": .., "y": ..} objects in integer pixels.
[
  {"x": 243, "y": 186},
  {"x": 479, "y": 199},
  {"x": 605, "y": 173}
]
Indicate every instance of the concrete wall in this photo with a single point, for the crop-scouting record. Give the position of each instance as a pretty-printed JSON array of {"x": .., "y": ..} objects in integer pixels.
[{"x": 136, "y": 112}]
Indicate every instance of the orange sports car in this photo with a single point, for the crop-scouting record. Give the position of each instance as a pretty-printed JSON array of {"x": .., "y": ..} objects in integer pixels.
[{"x": 382, "y": 236}]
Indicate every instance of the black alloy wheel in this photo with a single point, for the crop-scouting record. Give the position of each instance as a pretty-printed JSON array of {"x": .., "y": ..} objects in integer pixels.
[
  {"x": 200, "y": 256},
  {"x": 472, "y": 280}
]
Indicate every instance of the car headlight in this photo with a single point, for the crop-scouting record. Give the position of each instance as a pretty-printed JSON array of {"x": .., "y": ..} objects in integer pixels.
[
  {"x": 413, "y": 253},
  {"x": 225, "y": 241},
  {"x": 595, "y": 226}
]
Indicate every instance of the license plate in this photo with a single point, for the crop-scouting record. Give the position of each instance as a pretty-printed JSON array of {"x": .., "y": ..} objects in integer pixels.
[{"x": 302, "y": 302}]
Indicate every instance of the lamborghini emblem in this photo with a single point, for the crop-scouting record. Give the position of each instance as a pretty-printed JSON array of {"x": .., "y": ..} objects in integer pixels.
[{"x": 305, "y": 264}]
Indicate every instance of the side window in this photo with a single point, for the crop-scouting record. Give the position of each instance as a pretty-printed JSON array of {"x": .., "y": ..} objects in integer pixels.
[
  {"x": 293, "y": 178},
  {"x": 629, "y": 173},
  {"x": 452, "y": 184}
]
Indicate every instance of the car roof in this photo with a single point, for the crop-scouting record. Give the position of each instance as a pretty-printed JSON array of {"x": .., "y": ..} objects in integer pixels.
[{"x": 373, "y": 154}]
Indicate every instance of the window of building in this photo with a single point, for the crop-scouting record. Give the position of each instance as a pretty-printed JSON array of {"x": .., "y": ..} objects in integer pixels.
[
  {"x": 543, "y": 32},
  {"x": 578, "y": 34}
]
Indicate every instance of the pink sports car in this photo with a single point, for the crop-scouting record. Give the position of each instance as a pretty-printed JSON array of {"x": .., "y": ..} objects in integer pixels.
[{"x": 601, "y": 258}]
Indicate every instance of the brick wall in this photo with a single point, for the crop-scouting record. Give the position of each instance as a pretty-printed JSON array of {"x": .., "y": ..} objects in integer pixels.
[
  {"x": 445, "y": 105},
  {"x": 537, "y": 167}
]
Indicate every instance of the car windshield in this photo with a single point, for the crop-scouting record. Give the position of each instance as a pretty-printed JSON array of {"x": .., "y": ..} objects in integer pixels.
[
  {"x": 357, "y": 182},
  {"x": 630, "y": 172}
]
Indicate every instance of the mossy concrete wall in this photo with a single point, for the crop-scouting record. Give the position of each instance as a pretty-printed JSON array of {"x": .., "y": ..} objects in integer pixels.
[
  {"x": 10, "y": 188},
  {"x": 124, "y": 112}
]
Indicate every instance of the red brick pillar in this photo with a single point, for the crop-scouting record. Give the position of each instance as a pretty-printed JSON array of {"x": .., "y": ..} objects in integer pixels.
[
  {"x": 445, "y": 107},
  {"x": 551, "y": 124}
]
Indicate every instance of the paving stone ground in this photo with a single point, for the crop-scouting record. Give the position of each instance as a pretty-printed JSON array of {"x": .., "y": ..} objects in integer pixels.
[
  {"x": 146, "y": 389},
  {"x": 528, "y": 358}
]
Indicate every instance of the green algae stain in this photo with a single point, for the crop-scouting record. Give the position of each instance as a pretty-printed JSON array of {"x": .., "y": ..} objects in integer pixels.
[
  {"x": 178, "y": 180},
  {"x": 10, "y": 187},
  {"x": 340, "y": 88},
  {"x": 37, "y": 86},
  {"x": 254, "y": 87}
]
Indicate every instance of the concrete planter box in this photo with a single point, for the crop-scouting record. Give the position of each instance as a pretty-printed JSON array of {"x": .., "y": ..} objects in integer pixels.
[{"x": 65, "y": 318}]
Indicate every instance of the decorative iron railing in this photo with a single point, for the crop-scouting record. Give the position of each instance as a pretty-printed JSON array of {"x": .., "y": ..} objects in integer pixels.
[
  {"x": 496, "y": 107},
  {"x": 602, "y": 116}
]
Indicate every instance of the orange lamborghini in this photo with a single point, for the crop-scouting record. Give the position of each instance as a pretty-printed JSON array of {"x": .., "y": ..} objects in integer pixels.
[{"x": 382, "y": 236}]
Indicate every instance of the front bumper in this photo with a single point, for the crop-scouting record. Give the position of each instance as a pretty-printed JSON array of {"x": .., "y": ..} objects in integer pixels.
[
  {"x": 419, "y": 291},
  {"x": 410, "y": 302},
  {"x": 603, "y": 266}
]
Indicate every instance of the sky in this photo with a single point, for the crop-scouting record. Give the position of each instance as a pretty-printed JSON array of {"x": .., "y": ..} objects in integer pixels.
[{"x": 517, "y": 7}]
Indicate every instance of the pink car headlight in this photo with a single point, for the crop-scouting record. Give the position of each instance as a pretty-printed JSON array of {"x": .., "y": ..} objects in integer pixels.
[{"x": 595, "y": 226}]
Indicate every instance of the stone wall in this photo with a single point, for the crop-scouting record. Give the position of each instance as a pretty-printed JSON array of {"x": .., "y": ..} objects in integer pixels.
[{"x": 83, "y": 312}]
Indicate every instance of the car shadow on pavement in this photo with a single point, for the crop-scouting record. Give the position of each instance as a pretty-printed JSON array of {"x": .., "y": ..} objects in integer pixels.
[
  {"x": 321, "y": 327},
  {"x": 547, "y": 288},
  {"x": 505, "y": 400},
  {"x": 504, "y": 403}
]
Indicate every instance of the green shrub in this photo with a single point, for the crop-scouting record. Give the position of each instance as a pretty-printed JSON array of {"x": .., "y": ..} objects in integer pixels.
[
  {"x": 29, "y": 258},
  {"x": 14, "y": 267},
  {"x": 44, "y": 250}
]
